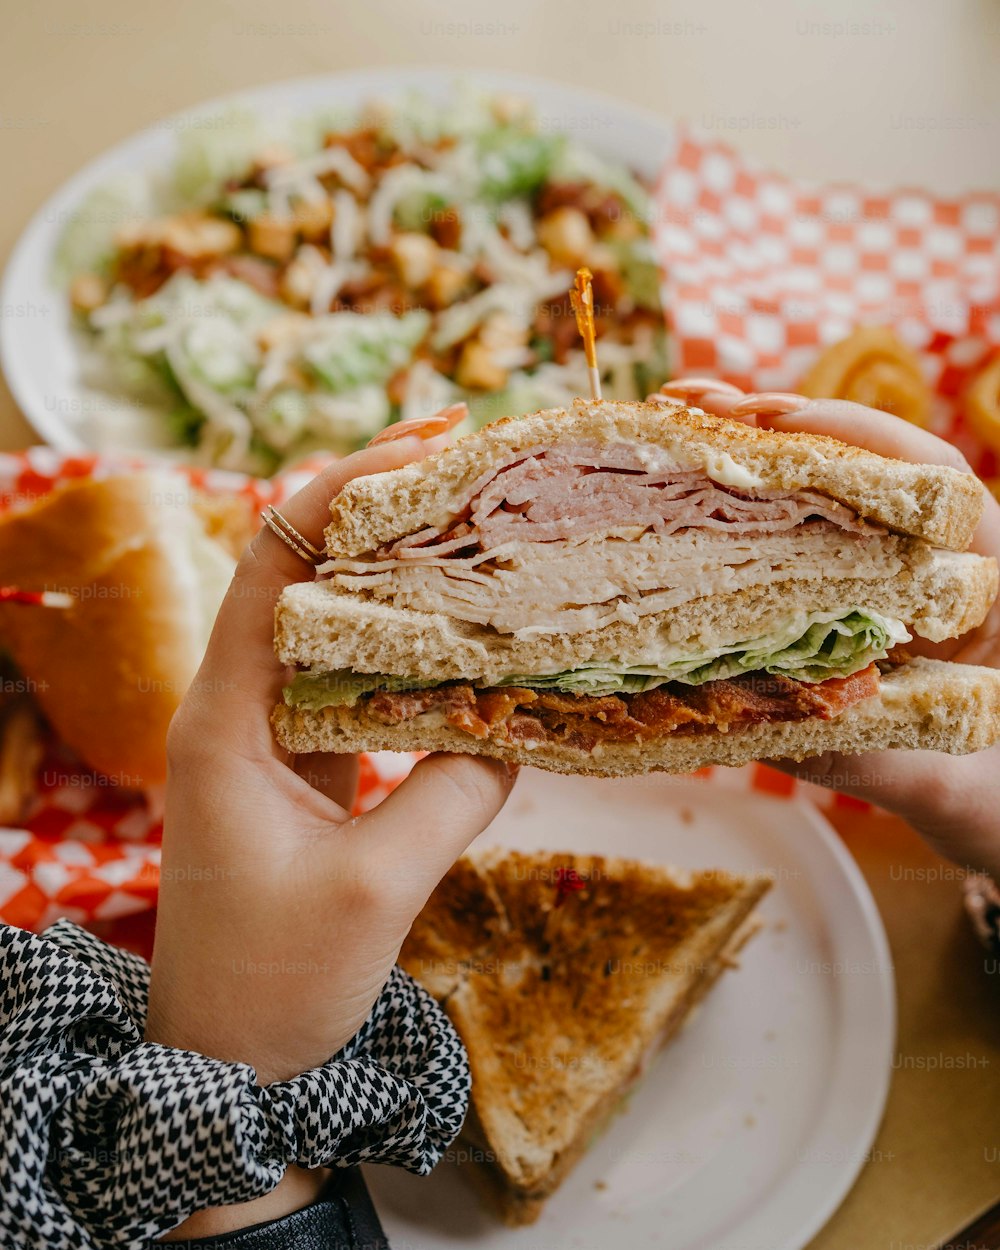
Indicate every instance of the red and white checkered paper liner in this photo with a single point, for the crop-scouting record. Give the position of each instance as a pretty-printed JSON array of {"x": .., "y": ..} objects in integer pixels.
[{"x": 761, "y": 273}]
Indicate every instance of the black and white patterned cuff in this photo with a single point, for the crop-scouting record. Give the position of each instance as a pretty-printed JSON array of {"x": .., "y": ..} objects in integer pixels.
[{"x": 107, "y": 1140}]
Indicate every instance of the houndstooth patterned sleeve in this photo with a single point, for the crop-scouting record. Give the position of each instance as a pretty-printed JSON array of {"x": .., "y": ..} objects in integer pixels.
[{"x": 108, "y": 1141}]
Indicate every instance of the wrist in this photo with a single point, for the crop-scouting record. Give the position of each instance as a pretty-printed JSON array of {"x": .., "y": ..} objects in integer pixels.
[
  {"x": 298, "y": 1188},
  {"x": 954, "y": 809},
  {"x": 213, "y": 1017}
]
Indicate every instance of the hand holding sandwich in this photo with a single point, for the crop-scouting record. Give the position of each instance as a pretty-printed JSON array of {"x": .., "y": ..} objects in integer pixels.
[
  {"x": 280, "y": 917},
  {"x": 950, "y": 800}
]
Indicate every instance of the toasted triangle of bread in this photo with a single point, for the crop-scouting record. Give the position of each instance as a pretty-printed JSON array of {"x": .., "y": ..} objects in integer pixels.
[
  {"x": 927, "y": 705},
  {"x": 941, "y": 594},
  {"x": 936, "y": 503},
  {"x": 562, "y": 993}
]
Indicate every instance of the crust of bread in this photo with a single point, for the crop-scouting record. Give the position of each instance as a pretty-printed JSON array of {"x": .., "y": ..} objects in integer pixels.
[
  {"x": 938, "y": 503},
  {"x": 109, "y": 671},
  {"x": 518, "y": 987},
  {"x": 940, "y": 595},
  {"x": 924, "y": 705},
  {"x": 519, "y": 1205}
]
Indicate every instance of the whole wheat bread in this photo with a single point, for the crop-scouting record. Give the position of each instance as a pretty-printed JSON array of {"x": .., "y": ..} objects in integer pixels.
[{"x": 561, "y": 997}]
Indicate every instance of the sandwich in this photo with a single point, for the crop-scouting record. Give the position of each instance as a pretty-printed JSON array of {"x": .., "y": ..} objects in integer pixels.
[
  {"x": 142, "y": 563},
  {"x": 617, "y": 588},
  {"x": 21, "y": 745},
  {"x": 564, "y": 975}
]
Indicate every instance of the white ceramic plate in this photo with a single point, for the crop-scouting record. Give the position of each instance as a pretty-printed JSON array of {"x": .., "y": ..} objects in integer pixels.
[
  {"x": 749, "y": 1130},
  {"x": 37, "y": 351}
]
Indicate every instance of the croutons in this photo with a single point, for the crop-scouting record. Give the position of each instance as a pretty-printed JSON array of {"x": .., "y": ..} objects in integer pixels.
[
  {"x": 446, "y": 283},
  {"x": 479, "y": 368},
  {"x": 299, "y": 279},
  {"x": 313, "y": 219},
  {"x": 285, "y": 328},
  {"x": 511, "y": 109},
  {"x": 277, "y": 237},
  {"x": 199, "y": 236},
  {"x": 273, "y": 237},
  {"x": 135, "y": 235},
  {"x": 487, "y": 359},
  {"x": 566, "y": 235},
  {"x": 414, "y": 256},
  {"x": 502, "y": 332},
  {"x": 87, "y": 291}
]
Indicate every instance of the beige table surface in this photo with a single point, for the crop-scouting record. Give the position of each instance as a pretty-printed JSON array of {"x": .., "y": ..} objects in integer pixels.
[{"x": 820, "y": 88}]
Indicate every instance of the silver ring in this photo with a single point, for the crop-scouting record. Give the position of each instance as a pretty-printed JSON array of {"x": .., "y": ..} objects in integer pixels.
[{"x": 291, "y": 537}]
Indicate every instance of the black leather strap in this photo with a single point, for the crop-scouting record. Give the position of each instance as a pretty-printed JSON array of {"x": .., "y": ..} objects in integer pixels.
[{"x": 343, "y": 1218}]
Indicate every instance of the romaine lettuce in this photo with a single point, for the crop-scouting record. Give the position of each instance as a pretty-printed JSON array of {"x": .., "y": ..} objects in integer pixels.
[
  {"x": 339, "y": 688},
  {"x": 826, "y": 647},
  {"x": 808, "y": 648},
  {"x": 351, "y": 349},
  {"x": 515, "y": 162}
]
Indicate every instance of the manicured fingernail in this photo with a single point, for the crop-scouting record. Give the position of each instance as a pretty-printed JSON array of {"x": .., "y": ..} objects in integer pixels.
[
  {"x": 421, "y": 427},
  {"x": 424, "y": 427},
  {"x": 512, "y": 768},
  {"x": 454, "y": 414},
  {"x": 768, "y": 404},
  {"x": 693, "y": 388}
]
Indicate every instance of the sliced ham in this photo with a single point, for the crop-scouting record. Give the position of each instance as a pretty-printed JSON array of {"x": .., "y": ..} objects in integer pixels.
[
  {"x": 520, "y": 714},
  {"x": 567, "y": 493}
]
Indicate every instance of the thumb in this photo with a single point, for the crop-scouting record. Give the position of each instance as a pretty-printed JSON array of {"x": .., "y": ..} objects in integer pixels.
[{"x": 434, "y": 815}]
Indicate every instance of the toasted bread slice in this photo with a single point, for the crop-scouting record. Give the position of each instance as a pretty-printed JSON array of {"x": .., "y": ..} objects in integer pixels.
[
  {"x": 564, "y": 974},
  {"x": 936, "y": 503},
  {"x": 924, "y": 705}
]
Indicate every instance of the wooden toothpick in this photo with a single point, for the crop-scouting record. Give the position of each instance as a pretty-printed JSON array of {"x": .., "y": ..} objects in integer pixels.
[{"x": 582, "y": 298}]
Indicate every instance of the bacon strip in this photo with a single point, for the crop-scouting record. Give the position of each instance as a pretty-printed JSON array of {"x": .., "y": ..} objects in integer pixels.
[{"x": 519, "y": 714}]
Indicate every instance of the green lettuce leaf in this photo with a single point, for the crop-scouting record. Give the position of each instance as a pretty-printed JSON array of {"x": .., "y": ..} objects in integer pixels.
[
  {"x": 351, "y": 349},
  {"x": 808, "y": 648},
  {"x": 339, "y": 688},
  {"x": 515, "y": 162},
  {"x": 213, "y": 149},
  {"x": 826, "y": 647}
]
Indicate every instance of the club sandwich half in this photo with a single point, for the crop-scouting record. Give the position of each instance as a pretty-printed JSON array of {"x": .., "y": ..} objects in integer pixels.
[{"x": 618, "y": 588}]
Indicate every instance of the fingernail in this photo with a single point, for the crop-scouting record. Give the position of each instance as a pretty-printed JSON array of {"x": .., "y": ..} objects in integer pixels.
[
  {"x": 768, "y": 404},
  {"x": 693, "y": 388},
  {"x": 454, "y": 414},
  {"x": 421, "y": 427},
  {"x": 512, "y": 769}
]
